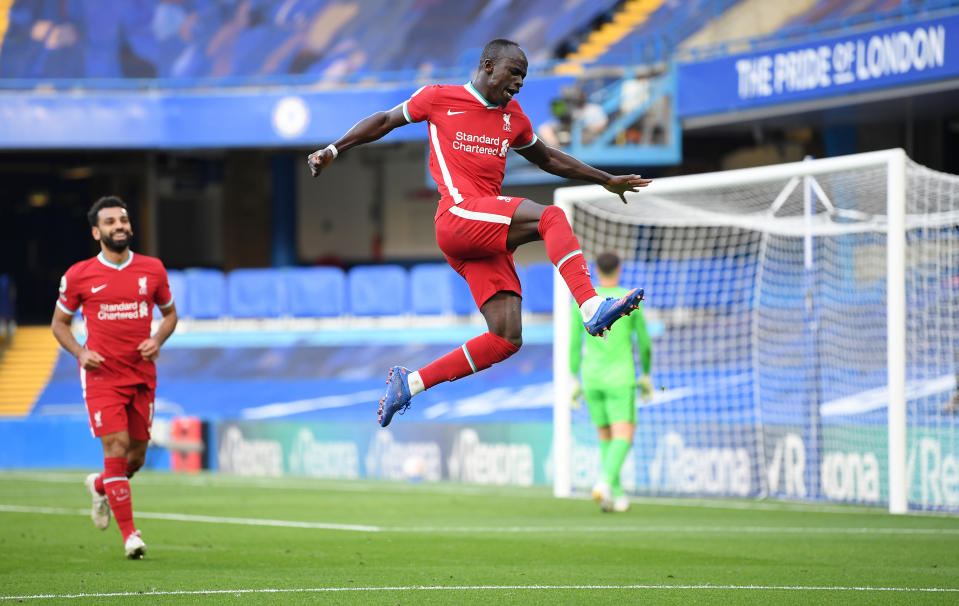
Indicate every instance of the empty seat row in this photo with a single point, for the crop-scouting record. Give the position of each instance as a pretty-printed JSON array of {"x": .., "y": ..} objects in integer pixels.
[
  {"x": 369, "y": 290},
  {"x": 698, "y": 282}
]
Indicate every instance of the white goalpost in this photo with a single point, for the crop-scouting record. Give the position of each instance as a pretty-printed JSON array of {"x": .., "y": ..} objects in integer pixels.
[{"x": 806, "y": 333}]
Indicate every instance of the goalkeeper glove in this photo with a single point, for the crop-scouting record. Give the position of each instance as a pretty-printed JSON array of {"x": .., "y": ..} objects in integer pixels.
[
  {"x": 645, "y": 384},
  {"x": 576, "y": 393}
]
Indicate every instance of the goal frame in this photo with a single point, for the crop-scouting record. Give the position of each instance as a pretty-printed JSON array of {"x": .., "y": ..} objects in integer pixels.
[{"x": 894, "y": 162}]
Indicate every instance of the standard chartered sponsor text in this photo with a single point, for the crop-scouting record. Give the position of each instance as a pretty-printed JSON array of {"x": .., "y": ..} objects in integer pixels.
[
  {"x": 119, "y": 311},
  {"x": 476, "y": 144}
]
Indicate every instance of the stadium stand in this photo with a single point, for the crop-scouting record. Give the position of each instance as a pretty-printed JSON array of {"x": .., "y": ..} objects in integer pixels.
[
  {"x": 829, "y": 15},
  {"x": 825, "y": 17},
  {"x": 653, "y": 39},
  {"x": 255, "y": 38}
]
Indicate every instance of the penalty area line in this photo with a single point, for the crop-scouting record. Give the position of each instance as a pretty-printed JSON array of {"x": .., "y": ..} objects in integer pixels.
[{"x": 120, "y": 594}]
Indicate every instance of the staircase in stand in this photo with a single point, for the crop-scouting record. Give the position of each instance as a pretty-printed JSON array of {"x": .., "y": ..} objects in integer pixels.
[
  {"x": 629, "y": 16},
  {"x": 25, "y": 369}
]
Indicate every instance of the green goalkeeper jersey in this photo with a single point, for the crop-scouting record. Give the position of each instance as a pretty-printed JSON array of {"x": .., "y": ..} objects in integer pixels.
[{"x": 609, "y": 362}]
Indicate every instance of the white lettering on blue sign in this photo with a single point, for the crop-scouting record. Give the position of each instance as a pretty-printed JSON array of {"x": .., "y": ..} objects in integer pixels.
[
  {"x": 900, "y": 52},
  {"x": 845, "y": 62},
  {"x": 754, "y": 77}
]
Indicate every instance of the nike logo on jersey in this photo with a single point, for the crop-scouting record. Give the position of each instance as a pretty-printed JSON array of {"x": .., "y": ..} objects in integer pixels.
[
  {"x": 96, "y": 289},
  {"x": 450, "y": 112}
]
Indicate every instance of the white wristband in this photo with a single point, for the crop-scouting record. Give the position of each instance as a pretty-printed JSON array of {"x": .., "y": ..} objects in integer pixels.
[{"x": 332, "y": 149}]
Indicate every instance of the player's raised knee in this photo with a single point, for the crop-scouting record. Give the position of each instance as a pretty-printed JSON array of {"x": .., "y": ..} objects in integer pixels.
[{"x": 551, "y": 214}]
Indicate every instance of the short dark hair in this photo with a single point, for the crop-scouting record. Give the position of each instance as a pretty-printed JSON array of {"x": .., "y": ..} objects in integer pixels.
[
  {"x": 607, "y": 263},
  {"x": 494, "y": 49},
  {"x": 104, "y": 202}
]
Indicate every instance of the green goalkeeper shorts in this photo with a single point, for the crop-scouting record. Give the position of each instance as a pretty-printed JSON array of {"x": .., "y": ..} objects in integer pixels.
[{"x": 611, "y": 405}]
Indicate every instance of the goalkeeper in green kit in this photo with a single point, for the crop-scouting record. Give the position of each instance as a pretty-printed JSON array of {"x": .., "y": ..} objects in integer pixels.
[{"x": 609, "y": 383}]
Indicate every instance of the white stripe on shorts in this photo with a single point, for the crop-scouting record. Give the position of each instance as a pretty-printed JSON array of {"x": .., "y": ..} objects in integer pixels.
[
  {"x": 83, "y": 389},
  {"x": 475, "y": 216}
]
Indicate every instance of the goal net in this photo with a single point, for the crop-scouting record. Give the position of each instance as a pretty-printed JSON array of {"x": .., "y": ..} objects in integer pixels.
[{"x": 806, "y": 333}]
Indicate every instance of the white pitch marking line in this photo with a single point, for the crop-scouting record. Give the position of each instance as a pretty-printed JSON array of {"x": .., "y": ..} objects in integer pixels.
[
  {"x": 149, "y": 515},
  {"x": 494, "y": 529},
  {"x": 677, "y": 529},
  {"x": 480, "y": 588}
]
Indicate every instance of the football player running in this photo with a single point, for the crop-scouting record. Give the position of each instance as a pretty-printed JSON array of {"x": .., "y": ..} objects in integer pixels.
[{"x": 117, "y": 291}]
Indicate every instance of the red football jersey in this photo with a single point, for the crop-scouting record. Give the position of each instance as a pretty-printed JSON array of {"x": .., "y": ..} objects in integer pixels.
[
  {"x": 469, "y": 139},
  {"x": 117, "y": 302}
]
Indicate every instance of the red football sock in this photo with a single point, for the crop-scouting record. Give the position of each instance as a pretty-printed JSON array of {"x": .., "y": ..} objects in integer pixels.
[
  {"x": 118, "y": 493},
  {"x": 477, "y": 354},
  {"x": 98, "y": 485},
  {"x": 132, "y": 468},
  {"x": 563, "y": 250}
]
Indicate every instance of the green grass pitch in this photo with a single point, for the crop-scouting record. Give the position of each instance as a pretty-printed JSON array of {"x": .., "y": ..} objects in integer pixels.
[{"x": 224, "y": 540}]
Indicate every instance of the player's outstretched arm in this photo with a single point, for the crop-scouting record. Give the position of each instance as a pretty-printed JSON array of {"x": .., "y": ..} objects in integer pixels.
[
  {"x": 368, "y": 129},
  {"x": 562, "y": 164}
]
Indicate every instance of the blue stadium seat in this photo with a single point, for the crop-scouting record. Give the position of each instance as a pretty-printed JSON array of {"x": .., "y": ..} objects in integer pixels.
[
  {"x": 177, "y": 281},
  {"x": 431, "y": 289},
  {"x": 593, "y": 274},
  {"x": 378, "y": 290},
  {"x": 206, "y": 293},
  {"x": 463, "y": 303},
  {"x": 521, "y": 274},
  {"x": 316, "y": 291},
  {"x": 635, "y": 273},
  {"x": 538, "y": 288},
  {"x": 256, "y": 293},
  {"x": 664, "y": 281}
]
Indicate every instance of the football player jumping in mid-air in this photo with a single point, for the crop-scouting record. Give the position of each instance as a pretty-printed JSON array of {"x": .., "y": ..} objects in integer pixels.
[{"x": 471, "y": 128}]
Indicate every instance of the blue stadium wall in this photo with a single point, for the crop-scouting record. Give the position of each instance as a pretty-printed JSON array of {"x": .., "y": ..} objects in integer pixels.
[{"x": 214, "y": 118}]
